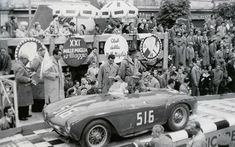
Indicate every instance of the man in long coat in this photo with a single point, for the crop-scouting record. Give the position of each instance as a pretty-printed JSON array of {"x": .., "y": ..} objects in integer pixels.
[
  {"x": 190, "y": 54},
  {"x": 24, "y": 89},
  {"x": 180, "y": 53},
  {"x": 205, "y": 53},
  {"x": 54, "y": 79},
  {"x": 106, "y": 74},
  {"x": 38, "y": 90},
  {"x": 195, "y": 77}
]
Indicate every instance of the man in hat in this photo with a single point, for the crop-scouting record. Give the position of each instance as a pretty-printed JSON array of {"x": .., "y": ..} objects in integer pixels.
[
  {"x": 129, "y": 68},
  {"x": 11, "y": 26},
  {"x": 38, "y": 90},
  {"x": 23, "y": 84}
]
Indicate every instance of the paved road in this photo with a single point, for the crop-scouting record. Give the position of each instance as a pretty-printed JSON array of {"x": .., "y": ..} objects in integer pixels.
[{"x": 208, "y": 112}]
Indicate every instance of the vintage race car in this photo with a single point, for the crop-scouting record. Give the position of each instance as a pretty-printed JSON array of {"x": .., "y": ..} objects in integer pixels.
[{"x": 92, "y": 119}]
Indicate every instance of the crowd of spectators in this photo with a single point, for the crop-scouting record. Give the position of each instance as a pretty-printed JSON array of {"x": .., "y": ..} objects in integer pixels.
[{"x": 201, "y": 60}]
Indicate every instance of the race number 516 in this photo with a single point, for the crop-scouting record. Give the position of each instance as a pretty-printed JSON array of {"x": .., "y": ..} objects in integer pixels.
[{"x": 146, "y": 117}]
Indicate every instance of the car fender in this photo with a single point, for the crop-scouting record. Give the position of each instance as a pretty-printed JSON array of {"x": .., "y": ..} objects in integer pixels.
[
  {"x": 183, "y": 99},
  {"x": 81, "y": 125}
]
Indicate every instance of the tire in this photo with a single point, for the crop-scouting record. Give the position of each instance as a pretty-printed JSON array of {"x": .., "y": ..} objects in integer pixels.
[
  {"x": 101, "y": 132},
  {"x": 179, "y": 117}
]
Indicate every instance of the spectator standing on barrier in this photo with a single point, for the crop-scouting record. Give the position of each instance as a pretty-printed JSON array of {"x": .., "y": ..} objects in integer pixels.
[
  {"x": 195, "y": 77},
  {"x": 199, "y": 138},
  {"x": 5, "y": 62},
  {"x": 106, "y": 74},
  {"x": 8, "y": 120},
  {"x": 24, "y": 88},
  {"x": 11, "y": 26},
  {"x": 54, "y": 79},
  {"x": 38, "y": 89}
]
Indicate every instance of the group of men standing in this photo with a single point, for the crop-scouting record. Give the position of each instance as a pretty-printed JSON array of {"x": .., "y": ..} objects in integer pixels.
[
  {"x": 127, "y": 71},
  {"x": 36, "y": 88}
]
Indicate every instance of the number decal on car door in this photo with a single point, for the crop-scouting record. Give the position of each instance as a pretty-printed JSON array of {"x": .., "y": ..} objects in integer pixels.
[{"x": 146, "y": 117}]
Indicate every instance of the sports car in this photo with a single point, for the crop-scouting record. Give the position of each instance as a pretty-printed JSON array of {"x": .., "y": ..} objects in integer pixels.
[{"x": 92, "y": 119}]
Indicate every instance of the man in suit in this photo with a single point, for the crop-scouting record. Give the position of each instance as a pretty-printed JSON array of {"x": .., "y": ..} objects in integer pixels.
[
  {"x": 38, "y": 90},
  {"x": 54, "y": 79},
  {"x": 8, "y": 120},
  {"x": 24, "y": 89},
  {"x": 106, "y": 74},
  {"x": 195, "y": 77}
]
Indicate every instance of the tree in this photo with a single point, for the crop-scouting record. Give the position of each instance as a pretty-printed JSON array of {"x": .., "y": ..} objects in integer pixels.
[
  {"x": 171, "y": 10},
  {"x": 226, "y": 10}
]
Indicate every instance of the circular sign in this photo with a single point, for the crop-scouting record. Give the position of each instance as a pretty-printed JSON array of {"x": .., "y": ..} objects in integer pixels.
[
  {"x": 150, "y": 47},
  {"x": 74, "y": 51},
  {"x": 116, "y": 45},
  {"x": 28, "y": 47}
]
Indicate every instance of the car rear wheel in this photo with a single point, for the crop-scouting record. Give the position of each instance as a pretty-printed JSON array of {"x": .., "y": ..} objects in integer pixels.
[
  {"x": 179, "y": 117},
  {"x": 96, "y": 134}
]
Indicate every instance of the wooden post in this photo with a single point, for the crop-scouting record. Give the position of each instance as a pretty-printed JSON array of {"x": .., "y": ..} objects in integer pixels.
[
  {"x": 16, "y": 104},
  {"x": 165, "y": 51}
]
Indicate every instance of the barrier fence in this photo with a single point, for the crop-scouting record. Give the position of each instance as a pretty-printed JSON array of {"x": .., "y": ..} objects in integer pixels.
[{"x": 8, "y": 95}]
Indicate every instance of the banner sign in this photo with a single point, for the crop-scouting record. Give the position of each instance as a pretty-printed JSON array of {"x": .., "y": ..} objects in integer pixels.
[
  {"x": 116, "y": 45},
  {"x": 29, "y": 47},
  {"x": 150, "y": 47},
  {"x": 74, "y": 51}
]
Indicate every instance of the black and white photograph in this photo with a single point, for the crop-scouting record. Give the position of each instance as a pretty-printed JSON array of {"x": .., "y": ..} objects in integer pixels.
[{"x": 117, "y": 73}]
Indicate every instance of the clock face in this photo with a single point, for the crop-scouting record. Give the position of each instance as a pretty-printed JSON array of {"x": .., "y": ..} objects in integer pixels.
[{"x": 150, "y": 47}]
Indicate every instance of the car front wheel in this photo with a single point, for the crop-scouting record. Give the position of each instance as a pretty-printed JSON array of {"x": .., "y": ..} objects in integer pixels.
[
  {"x": 96, "y": 134},
  {"x": 179, "y": 117}
]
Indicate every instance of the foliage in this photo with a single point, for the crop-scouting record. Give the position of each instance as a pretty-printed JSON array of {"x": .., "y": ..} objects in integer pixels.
[
  {"x": 226, "y": 10},
  {"x": 171, "y": 10}
]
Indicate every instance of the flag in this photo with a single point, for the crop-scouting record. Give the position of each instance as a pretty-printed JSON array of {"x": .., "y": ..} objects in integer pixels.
[{"x": 46, "y": 64}]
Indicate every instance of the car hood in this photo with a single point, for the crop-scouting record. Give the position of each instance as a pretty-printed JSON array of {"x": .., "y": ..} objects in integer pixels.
[{"x": 63, "y": 110}]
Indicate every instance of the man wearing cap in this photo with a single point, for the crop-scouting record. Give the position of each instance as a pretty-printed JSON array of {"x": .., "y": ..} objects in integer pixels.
[
  {"x": 38, "y": 90},
  {"x": 23, "y": 84}
]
